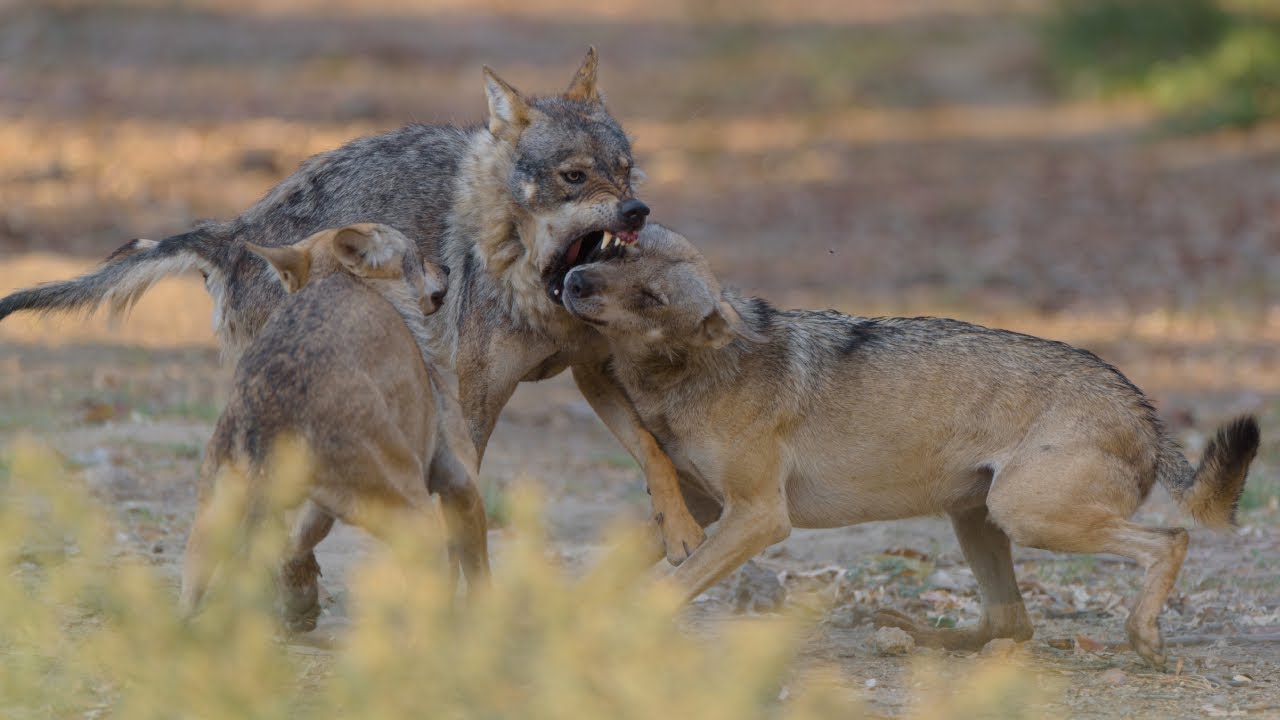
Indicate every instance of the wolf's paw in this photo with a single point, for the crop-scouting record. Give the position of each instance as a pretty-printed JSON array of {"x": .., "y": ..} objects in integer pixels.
[
  {"x": 681, "y": 534},
  {"x": 302, "y": 623},
  {"x": 298, "y": 620},
  {"x": 300, "y": 608},
  {"x": 1148, "y": 643}
]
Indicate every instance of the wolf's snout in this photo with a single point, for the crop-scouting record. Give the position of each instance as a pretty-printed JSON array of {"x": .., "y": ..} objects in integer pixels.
[
  {"x": 633, "y": 213},
  {"x": 578, "y": 286}
]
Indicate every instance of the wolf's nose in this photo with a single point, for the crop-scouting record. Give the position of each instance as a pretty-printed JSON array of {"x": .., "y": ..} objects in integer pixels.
[
  {"x": 633, "y": 212},
  {"x": 437, "y": 297},
  {"x": 578, "y": 286}
]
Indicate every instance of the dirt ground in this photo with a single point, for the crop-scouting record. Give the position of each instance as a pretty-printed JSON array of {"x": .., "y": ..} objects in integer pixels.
[{"x": 876, "y": 157}]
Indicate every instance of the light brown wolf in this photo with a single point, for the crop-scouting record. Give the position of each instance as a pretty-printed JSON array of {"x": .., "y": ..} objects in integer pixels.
[
  {"x": 342, "y": 370},
  {"x": 818, "y": 419}
]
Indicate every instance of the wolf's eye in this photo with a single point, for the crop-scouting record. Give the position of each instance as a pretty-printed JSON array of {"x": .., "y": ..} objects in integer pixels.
[
  {"x": 649, "y": 297},
  {"x": 574, "y": 177}
]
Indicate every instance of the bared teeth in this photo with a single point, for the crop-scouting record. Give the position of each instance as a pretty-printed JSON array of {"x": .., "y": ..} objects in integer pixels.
[{"x": 608, "y": 240}]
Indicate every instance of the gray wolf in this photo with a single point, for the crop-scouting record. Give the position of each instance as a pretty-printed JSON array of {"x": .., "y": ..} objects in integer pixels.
[
  {"x": 512, "y": 205},
  {"x": 817, "y": 419},
  {"x": 342, "y": 369}
]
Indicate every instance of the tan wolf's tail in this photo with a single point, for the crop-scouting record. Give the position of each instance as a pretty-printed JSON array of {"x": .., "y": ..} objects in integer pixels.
[{"x": 1212, "y": 491}]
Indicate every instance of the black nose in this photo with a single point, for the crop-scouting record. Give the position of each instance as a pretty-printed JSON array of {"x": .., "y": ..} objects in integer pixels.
[
  {"x": 445, "y": 269},
  {"x": 578, "y": 286},
  {"x": 437, "y": 297},
  {"x": 633, "y": 213}
]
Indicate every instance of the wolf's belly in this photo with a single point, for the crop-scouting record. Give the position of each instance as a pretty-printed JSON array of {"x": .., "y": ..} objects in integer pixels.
[{"x": 817, "y": 502}]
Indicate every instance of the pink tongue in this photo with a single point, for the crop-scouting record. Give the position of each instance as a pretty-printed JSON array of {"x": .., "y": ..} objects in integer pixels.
[{"x": 572, "y": 254}]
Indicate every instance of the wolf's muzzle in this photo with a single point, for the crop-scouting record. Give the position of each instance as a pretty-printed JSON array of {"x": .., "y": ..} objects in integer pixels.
[
  {"x": 633, "y": 213},
  {"x": 578, "y": 285}
]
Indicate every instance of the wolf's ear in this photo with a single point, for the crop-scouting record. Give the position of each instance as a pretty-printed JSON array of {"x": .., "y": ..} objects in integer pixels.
[
  {"x": 292, "y": 265},
  {"x": 723, "y": 325},
  {"x": 583, "y": 85},
  {"x": 362, "y": 252},
  {"x": 508, "y": 112}
]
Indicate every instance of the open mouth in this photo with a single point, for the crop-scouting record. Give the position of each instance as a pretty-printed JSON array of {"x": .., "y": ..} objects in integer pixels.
[{"x": 595, "y": 246}]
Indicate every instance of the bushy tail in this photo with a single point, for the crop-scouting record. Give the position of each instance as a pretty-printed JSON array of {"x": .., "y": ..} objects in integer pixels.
[
  {"x": 1212, "y": 491},
  {"x": 121, "y": 279}
]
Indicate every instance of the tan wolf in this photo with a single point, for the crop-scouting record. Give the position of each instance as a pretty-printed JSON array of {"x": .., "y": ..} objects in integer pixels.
[
  {"x": 818, "y": 419},
  {"x": 343, "y": 370}
]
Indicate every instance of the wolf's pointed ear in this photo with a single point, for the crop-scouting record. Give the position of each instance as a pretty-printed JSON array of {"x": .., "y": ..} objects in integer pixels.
[
  {"x": 723, "y": 325},
  {"x": 508, "y": 112},
  {"x": 362, "y": 252},
  {"x": 292, "y": 265},
  {"x": 583, "y": 85}
]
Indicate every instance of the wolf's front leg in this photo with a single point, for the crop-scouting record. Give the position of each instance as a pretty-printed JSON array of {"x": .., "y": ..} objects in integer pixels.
[
  {"x": 681, "y": 533},
  {"x": 452, "y": 476},
  {"x": 755, "y": 517},
  {"x": 490, "y": 362},
  {"x": 743, "y": 532}
]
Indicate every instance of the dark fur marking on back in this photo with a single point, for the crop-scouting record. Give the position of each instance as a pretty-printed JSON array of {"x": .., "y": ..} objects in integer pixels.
[{"x": 860, "y": 335}]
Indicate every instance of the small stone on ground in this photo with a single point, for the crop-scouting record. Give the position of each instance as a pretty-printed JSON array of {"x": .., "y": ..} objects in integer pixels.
[
  {"x": 893, "y": 641},
  {"x": 757, "y": 589}
]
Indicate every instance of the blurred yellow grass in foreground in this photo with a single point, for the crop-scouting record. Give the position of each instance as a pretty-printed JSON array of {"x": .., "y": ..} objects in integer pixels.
[{"x": 85, "y": 632}]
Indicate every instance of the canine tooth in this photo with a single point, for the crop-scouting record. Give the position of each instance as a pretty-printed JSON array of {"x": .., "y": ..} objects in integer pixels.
[{"x": 608, "y": 240}]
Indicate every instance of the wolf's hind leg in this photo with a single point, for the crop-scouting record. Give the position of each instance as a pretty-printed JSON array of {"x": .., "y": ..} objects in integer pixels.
[
  {"x": 1081, "y": 504},
  {"x": 197, "y": 565},
  {"x": 464, "y": 516},
  {"x": 1161, "y": 552},
  {"x": 987, "y": 549},
  {"x": 298, "y": 580}
]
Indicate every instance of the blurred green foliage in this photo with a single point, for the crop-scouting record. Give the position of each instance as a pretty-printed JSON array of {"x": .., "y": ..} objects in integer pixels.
[{"x": 1204, "y": 64}]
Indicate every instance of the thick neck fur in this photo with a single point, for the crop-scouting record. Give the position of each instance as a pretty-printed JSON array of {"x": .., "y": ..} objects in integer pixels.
[
  {"x": 489, "y": 225},
  {"x": 674, "y": 372}
]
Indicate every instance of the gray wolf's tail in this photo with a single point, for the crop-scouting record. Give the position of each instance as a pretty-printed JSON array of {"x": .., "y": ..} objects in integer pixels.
[
  {"x": 1211, "y": 492},
  {"x": 121, "y": 279}
]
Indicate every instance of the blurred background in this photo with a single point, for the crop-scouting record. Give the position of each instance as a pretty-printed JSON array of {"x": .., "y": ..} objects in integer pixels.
[
  {"x": 1104, "y": 172},
  {"x": 1080, "y": 156},
  {"x": 1098, "y": 171}
]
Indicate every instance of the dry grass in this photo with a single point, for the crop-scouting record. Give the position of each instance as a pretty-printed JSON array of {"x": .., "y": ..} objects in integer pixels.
[{"x": 90, "y": 633}]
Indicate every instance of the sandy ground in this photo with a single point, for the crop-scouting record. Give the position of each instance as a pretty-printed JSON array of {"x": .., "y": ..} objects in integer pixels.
[{"x": 860, "y": 156}]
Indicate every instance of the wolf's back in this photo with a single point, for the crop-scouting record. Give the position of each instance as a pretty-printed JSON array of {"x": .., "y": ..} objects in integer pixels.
[{"x": 122, "y": 278}]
